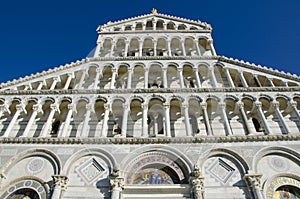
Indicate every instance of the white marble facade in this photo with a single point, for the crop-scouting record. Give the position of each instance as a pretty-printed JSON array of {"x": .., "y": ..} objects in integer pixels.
[{"x": 154, "y": 113}]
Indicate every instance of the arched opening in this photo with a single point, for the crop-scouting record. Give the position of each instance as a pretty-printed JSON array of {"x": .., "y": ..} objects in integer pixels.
[
  {"x": 161, "y": 47},
  {"x": 155, "y": 118},
  {"x": 287, "y": 192},
  {"x": 148, "y": 48},
  {"x": 120, "y": 48},
  {"x": 190, "y": 48},
  {"x": 139, "y": 26},
  {"x": 133, "y": 48},
  {"x": 176, "y": 47},
  {"x": 97, "y": 119},
  {"x": 24, "y": 193},
  {"x": 105, "y": 79},
  {"x": 138, "y": 77},
  {"x": 115, "y": 118},
  {"x": 106, "y": 47},
  {"x": 122, "y": 77},
  {"x": 134, "y": 123},
  {"x": 189, "y": 77},
  {"x": 172, "y": 77},
  {"x": 149, "y": 25},
  {"x": 155, "y": 77},
  {"x": 171, "y": 26},
  {"x": 176, "y": 119},
  {"x": 159, "y": 25}
]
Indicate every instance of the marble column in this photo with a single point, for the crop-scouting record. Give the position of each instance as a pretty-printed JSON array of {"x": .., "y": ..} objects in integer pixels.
[
  {"x": 183, "y": 47},
  {"x": 59, "y": 185},
  {"x": 167, "y": 119},
  {"x": 154, "y": 48},
  {"x": 36, "y": 109},
  {"x": 181, "y": 77},
  {"x": 244, "y": 117},
  {"x": 262, "y": 117},
  {"x": 213, "y": 51},
  {"x": 84, "y": 131},
  {"x": 165, "y": 78},
  {"x": 126, "y": 48},
  {"x": 198, "y": 82},
  {"x": 225, "y": 119},
  {"x": 67, "y": 84},
  {"x": 116, "y": 187},
  {"x": 169, "y": 48},
  {"x": 212, "y": 76},
  {"x": 228, "y": 76},
  {"x": 140, "y": 48},
  {"x": 4, "y": 108},
  {"x": 46, "y": 127},
  {"x": 105, "y": 120},
  {"x": 41, "y": 84},
  {"x": 271, "y": 82},
  {"x": 124, "y": 120},
  {"x": 293, "y": 104},
  {"x": 243, "y": 80},
  {"x": 129, "y": 78},
  {"x": 112, "y": 49},
  {"x": 84, "y": 73},
  {"x": 206, "y": 118},
  {"x": 197, "y": 184},
  {"x": 113, "y": 78},
  {"x": 197, "y": 48},
  {"x": 279, "y": 115},
  {"x": 55, "y": 80},
  {"x": 254, "y": 185},
  {"x": 19, "y": 108},
  {"x": 67, "y": 121},
  {"x": 187, "y": 119},
  {"x": 257, "y": 81},
  {"x": 96, "y": 82},
  {"x": 146, "y": 77},
  {"x": 145, "y": 120}
]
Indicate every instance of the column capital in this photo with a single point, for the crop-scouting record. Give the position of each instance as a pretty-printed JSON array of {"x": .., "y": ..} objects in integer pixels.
[
  {"x": 89, "y": 107},
  {"x": 71, "y": 75},
  {"x": 258, "y": 104},
  {"x": 54, "y": 107},
  {"x": 203, "y": 105},
  {"x": 4, "y": 108},
  {"x": 275, "y": 104},
  {"x": 60, "y": 181},
  {"x": 195, "y": 69},
  {"x": 21, "y": 107},
  {"x": 144, "y": 105},
  {"x": 210, "y": 41},
  {"x": 180, "y": 69},
  {"x": 70, "y": 106},
  {"x": 114, "y": 70},
  {"x": 98, "y": 70},
  {"x": 292, "y": 103},
  {"x": 57, "y": 79},
  {"x": 106, "y": 106},
  {"x": 37, "y": 108},
  {"x": 253, "y": 181},
  {"x": 222, "y": 105},
  {"x": 240, "y": 104},
  {"x": 116, "y": 183},
  {"x": 125, "y": 106},
  {"x": 166, "y": 105}
]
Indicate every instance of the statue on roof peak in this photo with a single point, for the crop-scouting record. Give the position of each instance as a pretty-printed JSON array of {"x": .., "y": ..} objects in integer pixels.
[{"x": 154, "y": 11}]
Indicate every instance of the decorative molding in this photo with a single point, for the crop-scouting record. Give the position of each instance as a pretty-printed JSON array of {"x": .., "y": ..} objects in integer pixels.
[{"x": 160, "y": 140}]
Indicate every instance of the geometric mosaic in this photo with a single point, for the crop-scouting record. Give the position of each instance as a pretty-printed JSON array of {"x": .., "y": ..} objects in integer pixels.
[
  {"x": 90, "y": 170},
  {"x": 220, "y": 170}
]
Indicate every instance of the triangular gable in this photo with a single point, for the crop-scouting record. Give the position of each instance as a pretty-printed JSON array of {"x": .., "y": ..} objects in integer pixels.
[{"x": 190, "y": 24}]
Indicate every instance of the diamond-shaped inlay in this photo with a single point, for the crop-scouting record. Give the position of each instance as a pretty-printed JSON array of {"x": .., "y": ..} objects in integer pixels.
[
  {"x": 90, "y": 170},
  {"x": 221, "y": 170}
]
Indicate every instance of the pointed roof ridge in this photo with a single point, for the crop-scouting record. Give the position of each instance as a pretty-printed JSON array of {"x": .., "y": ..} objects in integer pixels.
[
  {"x": 155, "y": 13},
  {"x": 44, "y": 72}
]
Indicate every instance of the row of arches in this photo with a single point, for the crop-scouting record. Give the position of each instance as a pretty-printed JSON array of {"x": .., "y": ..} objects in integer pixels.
[
  {"x": 42, "y": 182},
  {"x": 156, "y": 75},
  {"x": 161, "y": 46},
  {"x": 151, "y": 24},
  {"x": 149, "y": 117}
]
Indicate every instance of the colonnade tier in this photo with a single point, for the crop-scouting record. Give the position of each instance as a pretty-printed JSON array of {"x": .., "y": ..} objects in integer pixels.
[
  {"x": 154, "y": 75},
  {"x": 157, "y": 45},
  {"x": 149, "y": 116}
]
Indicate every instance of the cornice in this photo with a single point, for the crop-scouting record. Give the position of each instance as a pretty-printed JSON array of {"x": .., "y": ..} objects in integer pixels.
[
  {"x": 152, "y": 91},
  {"x": 160, "y": 140},
  {"x": 154, "y": 31}
]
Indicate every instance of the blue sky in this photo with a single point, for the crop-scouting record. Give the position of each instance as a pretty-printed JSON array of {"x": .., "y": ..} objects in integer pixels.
[{"x": 38, "y": 35}]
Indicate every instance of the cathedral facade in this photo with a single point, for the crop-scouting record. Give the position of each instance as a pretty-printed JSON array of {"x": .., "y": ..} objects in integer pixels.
[{"x": 154, "y": 113}]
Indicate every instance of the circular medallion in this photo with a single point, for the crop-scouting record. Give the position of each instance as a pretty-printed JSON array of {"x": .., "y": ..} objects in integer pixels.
[
  {"x": 35, "y": 165},
  {"x": 278, "y": 164}
]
